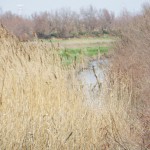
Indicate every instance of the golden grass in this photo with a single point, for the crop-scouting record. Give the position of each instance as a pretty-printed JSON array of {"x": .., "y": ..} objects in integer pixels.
[
  {"x": 83, "y": 42},
  {"x": 42, "y": 104}
]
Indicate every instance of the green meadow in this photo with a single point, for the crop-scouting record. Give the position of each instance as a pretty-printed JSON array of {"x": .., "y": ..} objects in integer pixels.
[
  {"x": 76, "y": 48},
  {"x": 69, "y": 55}
]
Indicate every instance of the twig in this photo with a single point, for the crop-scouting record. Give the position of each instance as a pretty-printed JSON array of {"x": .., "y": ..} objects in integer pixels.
[
  {"x": 99, "y": 84},
  {"x": 68, "y": 137}
]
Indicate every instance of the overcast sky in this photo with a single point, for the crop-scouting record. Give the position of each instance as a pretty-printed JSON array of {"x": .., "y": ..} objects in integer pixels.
[{"x": 27, "y": 7}]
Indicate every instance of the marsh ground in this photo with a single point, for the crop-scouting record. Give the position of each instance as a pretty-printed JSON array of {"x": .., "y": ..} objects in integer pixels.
[{"x": 75, "y": 48}]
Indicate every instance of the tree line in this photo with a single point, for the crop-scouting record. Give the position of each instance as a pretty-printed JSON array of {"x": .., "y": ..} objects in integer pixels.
[{"x": 64, "y": 23}]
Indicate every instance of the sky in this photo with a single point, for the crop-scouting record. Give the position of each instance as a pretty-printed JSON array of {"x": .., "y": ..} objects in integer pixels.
[{"x": 27, "y": 7}]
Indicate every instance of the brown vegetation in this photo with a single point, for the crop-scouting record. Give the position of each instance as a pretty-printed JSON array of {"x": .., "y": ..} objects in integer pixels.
[
  {"x": 132, "y": 58},
  {"x": 42, "y": 105},
  {"x": 63, "y": 23}
]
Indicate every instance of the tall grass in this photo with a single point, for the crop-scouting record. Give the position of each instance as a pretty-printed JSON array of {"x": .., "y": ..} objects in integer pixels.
[{"x": 43, "y": 105}]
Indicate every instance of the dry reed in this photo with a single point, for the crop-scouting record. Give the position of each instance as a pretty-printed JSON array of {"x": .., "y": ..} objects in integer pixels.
[{"x": 41, "y": 108}]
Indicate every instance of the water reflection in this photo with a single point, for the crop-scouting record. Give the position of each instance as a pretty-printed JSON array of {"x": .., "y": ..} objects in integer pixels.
[{"x": 92, "y": 79}]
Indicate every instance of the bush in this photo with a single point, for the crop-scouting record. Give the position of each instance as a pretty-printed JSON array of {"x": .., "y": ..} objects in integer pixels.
[{"x": 132, "y": 58}]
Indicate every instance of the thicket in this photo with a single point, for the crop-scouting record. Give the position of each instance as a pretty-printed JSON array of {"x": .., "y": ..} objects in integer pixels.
[
  {"x": 63, "y": 23},
  {"x": 131, "y": 58}
]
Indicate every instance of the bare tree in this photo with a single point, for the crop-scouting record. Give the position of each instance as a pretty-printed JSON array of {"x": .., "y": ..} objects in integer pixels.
[
  {"x": 65, "y": 20},
  {"x": 62, "y": 23},
  {"x": 21, "y": 27},
  {"x": 106, "y": 19},
  {"x": 43, "y": 24},
  {"x": 89, "y": 18}
]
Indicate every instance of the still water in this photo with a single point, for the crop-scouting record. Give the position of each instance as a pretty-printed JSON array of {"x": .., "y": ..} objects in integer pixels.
[{"x": 92, "y": 79}]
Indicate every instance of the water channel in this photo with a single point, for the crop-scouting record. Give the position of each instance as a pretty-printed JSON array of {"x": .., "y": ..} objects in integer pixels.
[{"x": 92, "y": 79}]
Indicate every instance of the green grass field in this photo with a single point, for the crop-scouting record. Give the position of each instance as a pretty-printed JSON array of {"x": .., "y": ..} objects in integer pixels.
[
  {"x": 70, "y": 54},
  {"x": 76, "y": 48}
]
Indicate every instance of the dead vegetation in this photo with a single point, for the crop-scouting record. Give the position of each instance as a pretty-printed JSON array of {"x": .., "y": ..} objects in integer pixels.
[
  {"x": 132, "y": 58},
  {"x": 40, "y": 110}
]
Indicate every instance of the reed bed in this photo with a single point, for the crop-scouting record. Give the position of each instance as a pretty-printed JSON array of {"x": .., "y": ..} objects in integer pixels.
[{"x": 43, "y": 104}]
